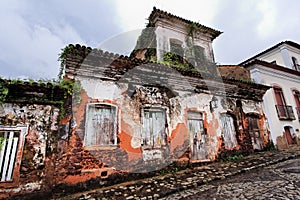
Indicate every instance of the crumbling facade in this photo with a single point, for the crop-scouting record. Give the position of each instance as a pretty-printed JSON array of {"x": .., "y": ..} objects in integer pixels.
[
  {"x": 128, "y": 114},
  {"x": 29, "y": 131},
  {"x": 138, "y": 116}
]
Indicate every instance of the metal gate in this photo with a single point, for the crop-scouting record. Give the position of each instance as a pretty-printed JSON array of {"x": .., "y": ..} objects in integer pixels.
[{"x": 11, "y": 145}]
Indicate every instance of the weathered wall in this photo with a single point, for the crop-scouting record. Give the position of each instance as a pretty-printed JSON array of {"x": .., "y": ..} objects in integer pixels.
[
  {"x": 35, "y": 169},
  {"x": 34, "y": 108},
  {"x": 130, "y": 86}
]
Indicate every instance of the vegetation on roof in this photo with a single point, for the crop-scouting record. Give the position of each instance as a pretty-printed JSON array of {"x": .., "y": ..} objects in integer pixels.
[
  {"x": 147, "y": 40},
  {"x": 42, "y": 91}
]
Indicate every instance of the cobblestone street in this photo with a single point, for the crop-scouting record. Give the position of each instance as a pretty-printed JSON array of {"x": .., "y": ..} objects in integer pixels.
[
  {"x": 280, "y": 181},
  {"x": 264, "y": 175}
]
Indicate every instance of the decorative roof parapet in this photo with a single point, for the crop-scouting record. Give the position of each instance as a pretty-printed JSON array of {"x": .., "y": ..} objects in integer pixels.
[{"x": 160, "y": 13}]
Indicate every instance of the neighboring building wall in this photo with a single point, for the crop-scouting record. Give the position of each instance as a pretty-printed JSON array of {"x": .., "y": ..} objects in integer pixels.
[
  {"x": 287, "y": 81},
  {"x": 30, "y": 130}
]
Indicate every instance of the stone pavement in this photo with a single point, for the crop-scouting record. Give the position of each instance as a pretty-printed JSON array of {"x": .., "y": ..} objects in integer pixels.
[
  {"x": 274, "y": 182},
  {"x": 162, "y": 186}
]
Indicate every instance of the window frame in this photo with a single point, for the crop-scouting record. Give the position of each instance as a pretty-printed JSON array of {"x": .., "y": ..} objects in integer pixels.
[
  {"x": 284, "y": 111},
  {"x": 225, "y": 131},
  {"x": 296, "y": 95},
  {"x": 173, "y": 42},
  {"x": 295, "y": 63},
  {"x": 163, "y": 134},
  {"x": 15, "y": 165},
  {"x": 278, "y": 93},
  {"x": 87, "y": 128}
]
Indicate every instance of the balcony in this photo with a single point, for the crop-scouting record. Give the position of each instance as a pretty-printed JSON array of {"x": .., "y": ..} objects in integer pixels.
[
  {"x": 298, "y": 112},
  {"x": 285, "y": 112}
]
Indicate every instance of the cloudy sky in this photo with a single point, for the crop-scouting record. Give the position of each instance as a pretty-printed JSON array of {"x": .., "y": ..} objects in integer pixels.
[{"x": 33, "y": 32}]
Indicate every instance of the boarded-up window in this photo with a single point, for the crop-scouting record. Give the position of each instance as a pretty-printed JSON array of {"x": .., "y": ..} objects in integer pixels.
[
  {"x": 154, "y": 128},
  {"x": 254, "y": 132},
  {"x": 11, "y": 146},
  {"x": 197, "y": 135},
  {"x": 101, "y": 127},
  {"x": 228, "y": 131}
]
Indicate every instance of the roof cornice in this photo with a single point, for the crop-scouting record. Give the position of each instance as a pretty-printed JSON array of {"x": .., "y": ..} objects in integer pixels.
[
  {"x": 290, "y": 43},
  {"x": 272, "y": 66},
  {"x": 163, "y": 14}
]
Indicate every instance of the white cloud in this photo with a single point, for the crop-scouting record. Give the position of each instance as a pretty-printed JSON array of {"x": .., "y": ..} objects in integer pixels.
[
  {"x": 268, "y": 22},
  {"x": 133, "y": 14},
  {"x": 33, "y": 32},
  {"x": 30, "y": 45}
]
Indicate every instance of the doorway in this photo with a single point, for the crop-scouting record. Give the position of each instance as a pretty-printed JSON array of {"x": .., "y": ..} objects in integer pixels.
[{"x": 288, "y": 135}]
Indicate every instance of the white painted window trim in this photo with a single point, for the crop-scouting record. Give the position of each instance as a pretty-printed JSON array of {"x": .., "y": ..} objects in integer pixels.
[
  {"x": 10, "y": 164},
  {"x": 108, "y": 146}
]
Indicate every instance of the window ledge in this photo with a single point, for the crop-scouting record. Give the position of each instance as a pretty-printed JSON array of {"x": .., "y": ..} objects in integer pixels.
[{"x": 91, "y": 148}]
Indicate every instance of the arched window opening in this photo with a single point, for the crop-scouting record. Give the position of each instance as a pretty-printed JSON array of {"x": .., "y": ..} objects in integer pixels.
[
  {"x": 289, "y": 134},
  {"x": 176, "y": 47}
]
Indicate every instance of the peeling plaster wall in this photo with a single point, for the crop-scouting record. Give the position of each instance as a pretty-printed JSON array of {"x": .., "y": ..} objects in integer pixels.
[
  {"x": 157, "y": 87},
  {"x": 40, "y": 143},
  {"x": 129, "y": 107}
]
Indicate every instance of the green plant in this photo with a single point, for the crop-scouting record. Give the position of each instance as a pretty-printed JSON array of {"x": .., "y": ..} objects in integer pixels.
[
  {"x": 62, "y": 58},
  {"x": 233, "y": 158},
  {"x": 2, "y": 139},
  {"x": 163, "y": 172},
  {"x": 171, "y": 58},
  {"x": 3, "y": 91}
]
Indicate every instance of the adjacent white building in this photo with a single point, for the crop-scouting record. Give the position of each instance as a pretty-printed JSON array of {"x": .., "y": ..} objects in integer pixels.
[{"x": 279, "y": 68}]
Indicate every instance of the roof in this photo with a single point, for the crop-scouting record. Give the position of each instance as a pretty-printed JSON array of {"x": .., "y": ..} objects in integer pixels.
[
  {"x": 160, "y": 13},
  {"x": 272, "y": 66},
  {"x": 234, "y": 72},
  {"x": 94, "y": 63},
  {"x": 291, "y": 43}
]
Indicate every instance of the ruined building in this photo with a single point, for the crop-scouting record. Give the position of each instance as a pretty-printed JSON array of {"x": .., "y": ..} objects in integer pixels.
[
  {"x": 30, "y": 128},
  {"x": 278, "y": 67},
  {"x": 138, "y": 114},
  {"x": 165, "y": 103}
]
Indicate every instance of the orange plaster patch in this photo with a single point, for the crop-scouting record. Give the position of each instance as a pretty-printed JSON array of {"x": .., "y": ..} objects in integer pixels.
[
  {"x": 178, "y": 136},
  {"x": 125, "y": 142},
  {"x": 212, "y": 127},
  {"x": 79, "y": 110},
  {"x": 78, "y": 178}
]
